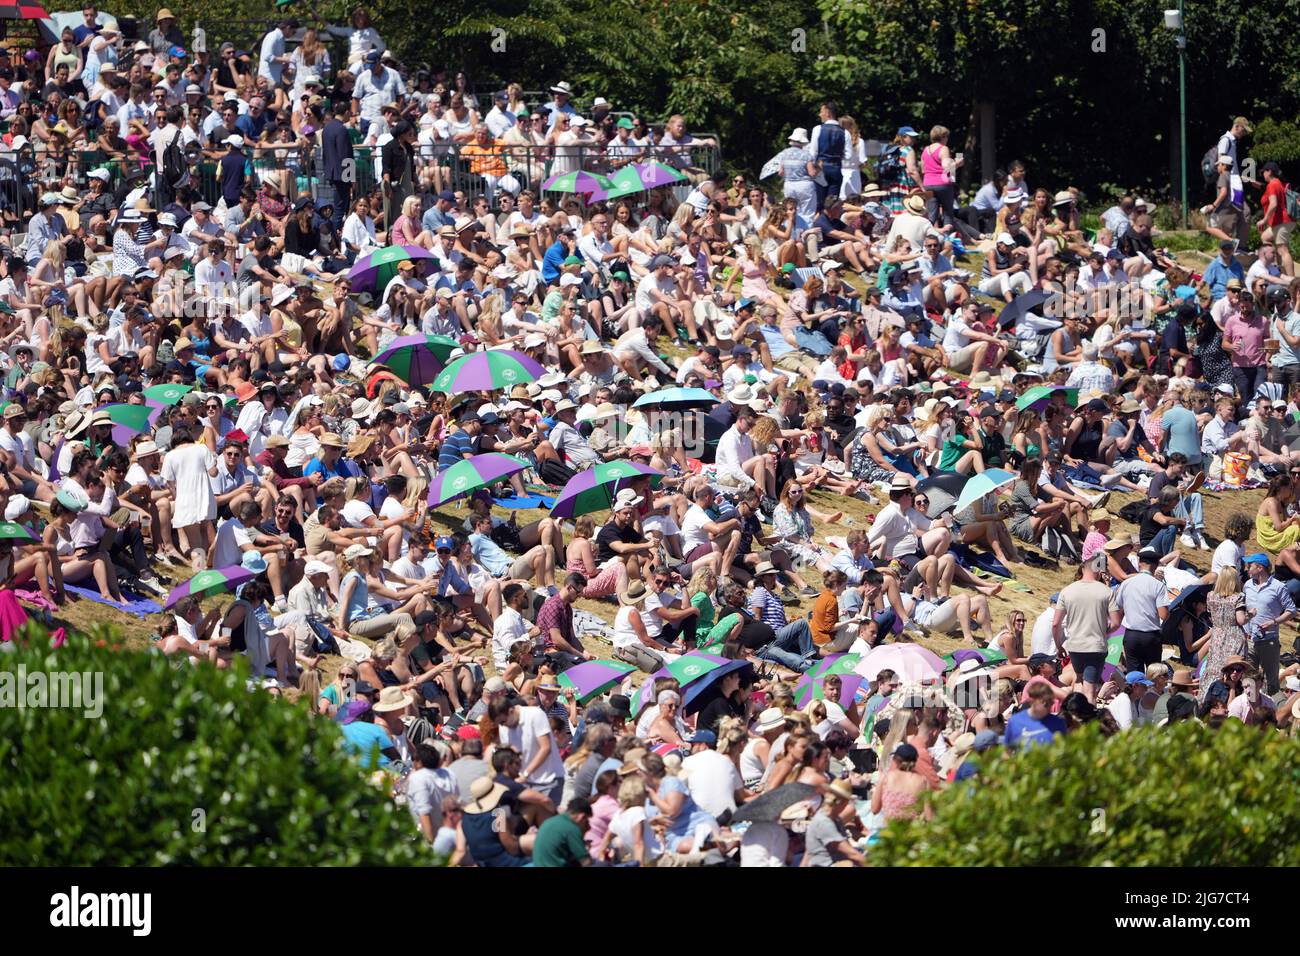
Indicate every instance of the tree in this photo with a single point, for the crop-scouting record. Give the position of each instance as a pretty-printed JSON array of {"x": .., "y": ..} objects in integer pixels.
[
  {"x": 1183, "y": 796},
  {"x": 184, "y": 765}
]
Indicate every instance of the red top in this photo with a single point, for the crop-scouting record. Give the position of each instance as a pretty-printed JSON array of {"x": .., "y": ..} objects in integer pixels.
[{"x": 1277, "y": 189}]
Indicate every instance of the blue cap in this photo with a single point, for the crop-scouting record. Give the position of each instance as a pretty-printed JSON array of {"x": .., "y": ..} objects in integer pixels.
[
  {"x": 744, "y": 304},
  {"x": 704, "y": 737},
  {"x": 176, "y": 51},
  {"x": 443, "y": 544},
  {"x": 341, "y": 361},
  {"x": 447, "y": 196},
  {"x": 1137, "y": 677},
  {"x": 740, "y": 348},
  {"x": 984, "y": 740},
  {"x": 1257, "y": 558},
  {"x": 373, "y": 56},
  {"x": 906, "y": 131},
  {"x": 1184, "y": 292}
]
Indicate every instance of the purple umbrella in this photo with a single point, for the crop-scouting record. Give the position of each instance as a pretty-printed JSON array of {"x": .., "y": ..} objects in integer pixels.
[
  {"x": 645, "y": 696},
  {"x": 373, "y": 271},
  {"x": 595, "y": 488},
  {"x": 592, "y": 678},
  {"x": 209, "y": 582},
  {"x": 487, "y": 372},
  {"x": 122, "y": 434},
  {"x": 811, "y": 688},
  {"x": 470, "y": 474},
  {"x": 417, "y": 359},
  {"x": 656, "y": 173}
]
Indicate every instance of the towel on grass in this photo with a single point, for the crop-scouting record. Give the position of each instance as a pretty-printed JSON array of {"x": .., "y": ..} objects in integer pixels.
[{"x": 135, "y": 604}]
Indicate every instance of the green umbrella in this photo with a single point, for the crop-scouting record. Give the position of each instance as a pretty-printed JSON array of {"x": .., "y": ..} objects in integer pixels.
[
  {"x": 134, "y": 417},
  {"x": 835, "y": 664},
  {"x": 487, "y": 371},
  {"x": 626, "y": 182},
  {"x": 417, "y": 359},
  {"x": 689, "y": 667},
  {"x": 169, "y": 393},
  {"x": 1039, "y": 396},
  {"x": 12, "y": 530},
  {"x": 1115, "y": 648},
  {"x": 594, "y": 489}
]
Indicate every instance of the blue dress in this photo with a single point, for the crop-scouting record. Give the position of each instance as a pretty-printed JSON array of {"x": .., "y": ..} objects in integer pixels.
[
  {"x": 687, "y": 820},
  {"x": 484, "y": 844}
]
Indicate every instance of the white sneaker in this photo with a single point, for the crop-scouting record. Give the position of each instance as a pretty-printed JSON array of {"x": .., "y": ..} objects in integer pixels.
[
  {"x": 1187, "y": 541},
  {"x": 1113, "y": 478},
  {"x": 1201, "y": 542},
  {"x": 1100, "y": 500}
]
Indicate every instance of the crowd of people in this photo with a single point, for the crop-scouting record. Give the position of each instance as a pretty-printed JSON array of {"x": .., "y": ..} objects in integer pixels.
[{"x": 193, "y": 384}]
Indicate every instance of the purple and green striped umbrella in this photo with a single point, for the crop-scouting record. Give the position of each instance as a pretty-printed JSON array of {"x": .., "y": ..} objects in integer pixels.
[
  {"x": 578, "y": 182},
  {"x": 626, "y": 182},
  {"x": 13, "y": 531},
  {"x": 168, "y": 393},
  {"x": 592, "y": 678},
  {"x": 131, "y": 420},
  {"x": 812, "y": 688},
  {"x": 471, "y": 474},
  {"x": 209, "y": 582},
  {"x": 835, "y": 664},
  {"x": 595, "y": 488},
  {"x": 417, "y": 359},
  {"x": 982, "y": 654},
  {"x": 487, "y": 372},
  {"x": 688, "y": 668},
  {"x": 373, "y": 272},
  {"x": 655, "y": 173}
]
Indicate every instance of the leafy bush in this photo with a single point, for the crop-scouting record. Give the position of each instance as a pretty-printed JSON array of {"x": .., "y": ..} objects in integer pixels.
[
  {"x": 1188, "y": 796},
  {"x": 274, "y": 784}
]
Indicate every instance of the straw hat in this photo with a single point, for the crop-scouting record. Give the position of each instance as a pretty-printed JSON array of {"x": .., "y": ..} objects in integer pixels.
[
  {"x": 840, "y": 788},
  {"x": 1100, "y": 514},
  {"x": 391, "y": 699},
  {"x": 331, "y": 439},
  {"x": 144, "y": 450},
  {"x": 915, "y": 203},
  {"x": 632, "y": 761},
  {"x": 485, "y": 793}
]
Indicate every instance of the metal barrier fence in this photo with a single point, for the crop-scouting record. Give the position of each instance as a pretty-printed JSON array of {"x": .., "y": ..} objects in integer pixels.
[{"x": 297, "y": 170}]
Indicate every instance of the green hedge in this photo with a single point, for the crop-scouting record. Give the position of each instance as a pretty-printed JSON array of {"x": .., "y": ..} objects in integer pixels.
[
  {"x": 274, "y": 784},
  {"x": 1188, "y": 796}
]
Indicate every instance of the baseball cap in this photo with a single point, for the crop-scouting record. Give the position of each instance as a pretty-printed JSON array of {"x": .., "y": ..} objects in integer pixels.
[{"x": 1137, "y": 677}]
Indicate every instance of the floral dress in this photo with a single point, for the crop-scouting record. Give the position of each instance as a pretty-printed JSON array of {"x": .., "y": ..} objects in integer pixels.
[
  {"x": 899, "y": 189},
  {"x": 795, "y": 529},
  {"x": 1226, "y": 637},
  {"x": 1216, "y": 364}
]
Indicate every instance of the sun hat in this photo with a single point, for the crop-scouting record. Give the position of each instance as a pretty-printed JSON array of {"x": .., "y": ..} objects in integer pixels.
[
  {"x": 899, "y": 481},
  {"x": 799, "y": 135},
  {"x": 564, "y": 405},
  {"x": 550, "y": 683},
  {"x": 741, "y": 395},
  {"x": 632, "y": 761},
  {"x": 252, "y": 561},
  {"x": 1236, "y": 660},
  {"x": 764, "y": 568},
  {"x": 357, "y": 551},
  {"x": 71, "y": 500},
  {"x": 145, "y": 449},
  {"x": 391, "y": 699},
  {"x": 1183, "y": 677},
  {"x": 484, "y": 795},
  {"x": 18, "y": 506},
  {"x": 1063, "y": 198},
  {"x": 773, "y": 718},
  {"x": 626, "y": 498},
  {"x": 331, "y": 439},
  {"x": 1100, "y": 514},
  {"x": 915, "y": 204}
]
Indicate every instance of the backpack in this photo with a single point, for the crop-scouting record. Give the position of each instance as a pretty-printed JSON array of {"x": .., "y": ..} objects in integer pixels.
[
  {"x": 1291, "y": 202},
  {"x": 175, "y": 167},
  {"x": 1210, "y": 165},
  {"x": 91, "y": 117},
  {"x": 889, "y": 165}
]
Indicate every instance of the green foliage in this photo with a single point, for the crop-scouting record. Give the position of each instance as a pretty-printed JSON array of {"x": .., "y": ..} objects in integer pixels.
[
  {"x": 274, "y": 784},
  {"x": 1278, "y": 141},
  {"x": 1187, "y": 796}
]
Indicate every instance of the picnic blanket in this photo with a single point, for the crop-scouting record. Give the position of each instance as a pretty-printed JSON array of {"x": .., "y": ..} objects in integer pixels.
[
  {"x": 135, "y": 604},
  {"x": 971, "y": 559},
  {"x": 525, "y": 502}
]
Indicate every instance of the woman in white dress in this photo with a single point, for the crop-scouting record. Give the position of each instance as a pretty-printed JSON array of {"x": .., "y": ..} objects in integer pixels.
[
  {"x": 359, "y": 236},
  {"x": 851, "y": 184},
  {"x": 188, "y": 469}
]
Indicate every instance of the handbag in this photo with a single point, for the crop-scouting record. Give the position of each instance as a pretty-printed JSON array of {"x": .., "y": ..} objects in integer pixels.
[{"x": 639, "y": 656}]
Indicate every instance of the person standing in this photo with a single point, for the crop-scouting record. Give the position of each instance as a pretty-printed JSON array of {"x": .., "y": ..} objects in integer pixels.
[
  {"x": 797, "y": 170},
  {"x": 271, "y": 57},
  {"x": 398, "y": 158},
  {"x": 1243, "y": 338},
  {"x": 1269, "y": 605},
  {"x": 1081, "y": 624},
  {"x": 339, "y": 161},
  {"x": 1133, "y": 604},
  {"x": 829, "y": 147},
  {"x": 1275, "y": 224}
]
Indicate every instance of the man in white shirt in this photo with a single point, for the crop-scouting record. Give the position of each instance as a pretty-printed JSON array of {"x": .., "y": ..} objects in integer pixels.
[
  {"x": 271, "y": 56},
  {"x": 967, "y": 347},
  {"x": 499, "y": 119},
  {"x": 706, "y": 542},
  {"x": 213, "y": 275},
  {"x": 375, "y": 88},
  {"x": 528, "y": 730},
  {"x": 737, "y": 462},
  {"x": 510, "y": 628}
]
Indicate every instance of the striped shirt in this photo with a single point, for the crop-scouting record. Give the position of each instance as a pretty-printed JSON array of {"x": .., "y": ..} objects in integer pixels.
[{"x": 767, "y": 607}]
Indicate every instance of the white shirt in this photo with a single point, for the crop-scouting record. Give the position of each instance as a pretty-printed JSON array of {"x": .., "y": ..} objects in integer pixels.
[
  {"x": 1040, "y": 639},
  {"x": 693, "y": 531},
  {"x": 507, "y": 630},
  {"x": 232, "y": 538},
  {"x": 498, "y": 121},
  {"x": 734, "y": 449},
  {"x": 1227, "y": 555},
  {"x": 212, "y": 278},
  {"x": 272, "y": 47},
  {"x": 20, "y": 446},
  {"x": 713, "y": 781},
  {"x": 1121, "y": 708},
  {"x": 525, "y": 737}
]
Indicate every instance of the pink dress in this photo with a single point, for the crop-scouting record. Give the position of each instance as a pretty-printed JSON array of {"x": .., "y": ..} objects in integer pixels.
[
  {"x": 603, "y": 809},
  {"x": 402, "y": 231},
  {"x": 753, "y": 285}
]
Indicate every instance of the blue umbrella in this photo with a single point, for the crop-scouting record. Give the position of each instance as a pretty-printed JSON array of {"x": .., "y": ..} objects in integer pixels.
[
  {"x": 696, "y": 695},
  {"x": 1179, "y": 608},
  {"x": 988, "y": 483},
  {"x": 677, "y": 399}
]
